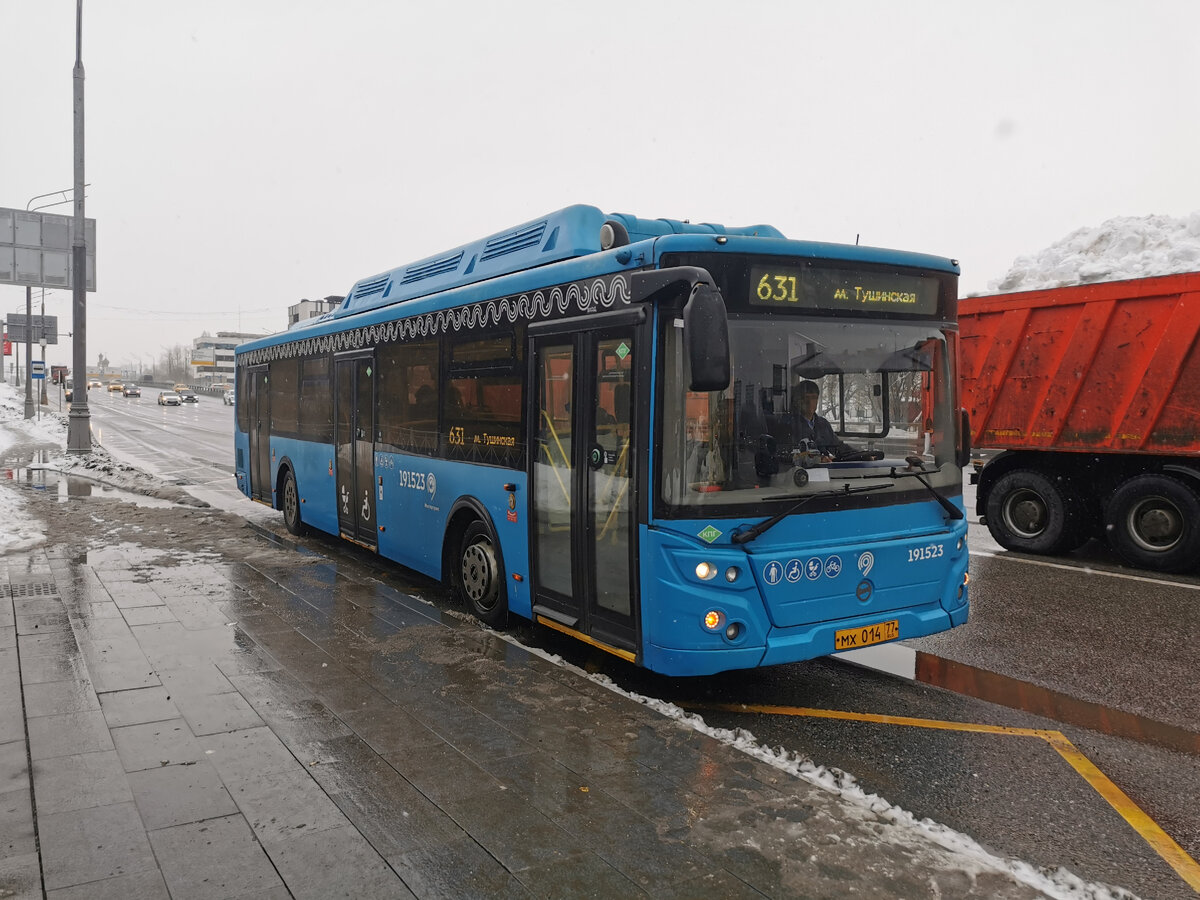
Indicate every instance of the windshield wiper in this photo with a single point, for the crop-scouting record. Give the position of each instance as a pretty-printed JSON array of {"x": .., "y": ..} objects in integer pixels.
[
  {"x": 919, "y": 472},
  {"x": 742, "y": 537}
]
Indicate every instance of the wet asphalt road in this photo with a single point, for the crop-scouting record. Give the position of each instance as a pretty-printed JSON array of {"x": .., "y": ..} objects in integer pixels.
[{"x": 1083, "y": 625}]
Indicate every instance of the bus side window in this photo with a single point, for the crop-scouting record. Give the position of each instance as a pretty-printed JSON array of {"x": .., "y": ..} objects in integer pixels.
[
  {"x": 408, "y": 397},
  {"x": 424, "y": 406}
]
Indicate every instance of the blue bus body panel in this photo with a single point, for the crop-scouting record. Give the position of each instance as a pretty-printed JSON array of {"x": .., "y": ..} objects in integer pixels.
[
  {"x": 241, "y": 458},
  {"x": 798, "y": 583},
  {"x": 316, "y": 481},
  {"x": 416, "y": 496}
]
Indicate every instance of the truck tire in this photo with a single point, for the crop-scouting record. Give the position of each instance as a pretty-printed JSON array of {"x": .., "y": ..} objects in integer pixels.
[
  {"x": 1153, "y": 522},
  {"x": 1033, "y": 513}
]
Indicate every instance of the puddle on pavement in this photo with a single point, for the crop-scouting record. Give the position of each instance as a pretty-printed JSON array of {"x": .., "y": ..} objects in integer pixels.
[{"x": 72, "y": 487}]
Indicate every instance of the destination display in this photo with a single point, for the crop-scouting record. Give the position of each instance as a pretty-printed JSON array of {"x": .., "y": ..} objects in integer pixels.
[{"x": 794, "y": 287}]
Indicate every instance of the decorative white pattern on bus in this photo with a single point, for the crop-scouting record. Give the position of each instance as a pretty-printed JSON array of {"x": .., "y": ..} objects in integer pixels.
[{"x": 602, "y": 293}]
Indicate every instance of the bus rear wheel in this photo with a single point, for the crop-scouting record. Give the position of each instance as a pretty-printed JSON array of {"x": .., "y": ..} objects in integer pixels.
[
  {"x": 480, "y": 579},
  {"x": 291, "y": 506}
]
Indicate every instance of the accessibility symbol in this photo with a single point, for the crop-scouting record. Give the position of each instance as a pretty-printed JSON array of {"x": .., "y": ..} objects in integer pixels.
[
  {"x": 794, "y": 571},
  {"x": 833, "y": 567},
  {"x": 773, "y": 572},
  {"x": 812, "y": 568}
]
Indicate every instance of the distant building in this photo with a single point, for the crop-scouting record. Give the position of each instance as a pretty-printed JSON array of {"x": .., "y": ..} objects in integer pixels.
[
  {"x": 310, "y": 309},
  {"x": 212, "y": 357}
]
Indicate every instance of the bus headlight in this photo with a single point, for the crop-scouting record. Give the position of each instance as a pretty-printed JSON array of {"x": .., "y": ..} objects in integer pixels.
[
  {"x": 732, "y": 573},
  {"x": 706, "y": 571},
  {"x": 714, "y": 619}
]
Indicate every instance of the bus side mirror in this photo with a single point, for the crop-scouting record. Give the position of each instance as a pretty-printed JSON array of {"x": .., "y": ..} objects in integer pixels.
[
  {"x": 706, "y": 338},
  {"x": 964, "y": 447}
]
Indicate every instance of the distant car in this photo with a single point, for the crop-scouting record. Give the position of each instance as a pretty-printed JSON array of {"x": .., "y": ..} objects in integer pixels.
[
  {"x": 115, "y": 386},
  {"x": 186, "y": 396},
  {"x": 131, "y": 390},
  {"x": 95, "y": 382},
  {"x": 168, "y": 398},
  {"x": 181, "y": 387},
  {"x": 227, "y": 397}
]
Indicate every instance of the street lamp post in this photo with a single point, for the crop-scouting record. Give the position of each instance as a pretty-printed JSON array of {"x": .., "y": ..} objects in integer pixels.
[
  {"x": 79, "y": 426},
  {"x": 44, "y": 399},
  {"x": 28, "y": 351}
]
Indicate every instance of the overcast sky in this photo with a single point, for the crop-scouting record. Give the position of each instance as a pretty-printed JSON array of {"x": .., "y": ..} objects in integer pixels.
[{"x": 245, "y": 154}]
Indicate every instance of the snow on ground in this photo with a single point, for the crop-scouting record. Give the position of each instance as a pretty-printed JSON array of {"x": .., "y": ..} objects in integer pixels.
[
  {"x": 1121, "y": 248},
  {"x": 20, "y": 437},
  {"x": 904, "y": 828},
  {"x": 40, "y": 443},
  {"x": 17, "y": 433}
]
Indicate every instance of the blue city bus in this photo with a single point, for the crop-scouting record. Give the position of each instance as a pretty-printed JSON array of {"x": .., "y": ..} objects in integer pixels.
[{"x": 591, "y": 421}]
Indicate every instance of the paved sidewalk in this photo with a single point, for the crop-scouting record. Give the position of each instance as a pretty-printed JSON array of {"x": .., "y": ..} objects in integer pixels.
[{"x": 250, "y": 719}]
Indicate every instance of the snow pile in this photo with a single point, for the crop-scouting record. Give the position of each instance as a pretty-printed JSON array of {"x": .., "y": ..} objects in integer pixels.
[{"x": 1121, "y": 248}]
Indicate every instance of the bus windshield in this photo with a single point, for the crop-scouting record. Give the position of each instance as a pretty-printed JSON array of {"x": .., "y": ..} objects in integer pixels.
[{"x": 813, "y": 403}]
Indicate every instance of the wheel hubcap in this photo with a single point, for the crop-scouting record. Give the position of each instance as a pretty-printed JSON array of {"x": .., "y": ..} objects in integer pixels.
[
  {"x": 478, "y": 574},
  {"x": 1155, "y": 524},
  {"x": 1025, "y": 514}
]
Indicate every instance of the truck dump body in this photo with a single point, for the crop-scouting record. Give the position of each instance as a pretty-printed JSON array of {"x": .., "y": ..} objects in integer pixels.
[
  {"x": 1091, "y": 393},
  {"x": 1099, "y": 368}
]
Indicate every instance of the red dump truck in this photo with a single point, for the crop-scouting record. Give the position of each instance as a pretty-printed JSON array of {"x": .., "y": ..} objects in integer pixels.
[{"x": 1091, "y": 395}]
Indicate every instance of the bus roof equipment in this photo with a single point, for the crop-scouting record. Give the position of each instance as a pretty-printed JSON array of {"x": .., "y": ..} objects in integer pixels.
[{"x": 577, "y": 230}]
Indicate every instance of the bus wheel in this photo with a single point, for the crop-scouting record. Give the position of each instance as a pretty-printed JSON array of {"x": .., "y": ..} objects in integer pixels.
[
  {"x": 291, "y": 506},
  {"x": 480, "y": 580},
  {"x": 1153, "y": 521},
  {"x": 1031, "y": 513}
]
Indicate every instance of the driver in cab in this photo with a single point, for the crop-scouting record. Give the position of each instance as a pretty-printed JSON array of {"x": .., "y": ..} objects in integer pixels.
[{"x": 807, "y": 425}]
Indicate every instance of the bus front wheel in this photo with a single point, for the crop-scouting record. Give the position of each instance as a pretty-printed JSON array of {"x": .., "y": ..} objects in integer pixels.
[{"x": 480, "y": 579}]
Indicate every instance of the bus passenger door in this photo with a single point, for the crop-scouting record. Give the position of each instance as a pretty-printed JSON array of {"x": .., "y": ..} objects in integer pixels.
[
  {"x": 355, "y": 437},
  {"x": 260, "y": 435},
  {"x": 584, "y": 484}
]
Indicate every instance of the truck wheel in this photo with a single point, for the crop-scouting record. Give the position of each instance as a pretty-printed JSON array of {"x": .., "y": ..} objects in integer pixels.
[
  {"x": 479, "y": 579},
  {"x": 291, "y": 507},
  {"x": 1153, "y": 521},
  {"x": 1029, "y": 512}
]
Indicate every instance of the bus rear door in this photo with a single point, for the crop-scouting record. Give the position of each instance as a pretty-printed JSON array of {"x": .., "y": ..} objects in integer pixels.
[
  {"x": 259, "y": 397},
  {"x": 584, "y": 484},
  {"x": 355, "y": 436}
]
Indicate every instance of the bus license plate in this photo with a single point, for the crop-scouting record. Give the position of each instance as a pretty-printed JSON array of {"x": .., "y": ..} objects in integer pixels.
[{"x": 853, "y": 638}]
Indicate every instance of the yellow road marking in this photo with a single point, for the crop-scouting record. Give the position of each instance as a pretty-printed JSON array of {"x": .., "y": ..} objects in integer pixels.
[{"x": 1162, "y": 844}]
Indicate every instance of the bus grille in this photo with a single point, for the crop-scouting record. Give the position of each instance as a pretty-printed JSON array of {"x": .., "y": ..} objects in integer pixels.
[
  {"x": 430, "y": 269},
  {"x": 371, "y": 287},
  {"x": 511, "y": 243}
]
